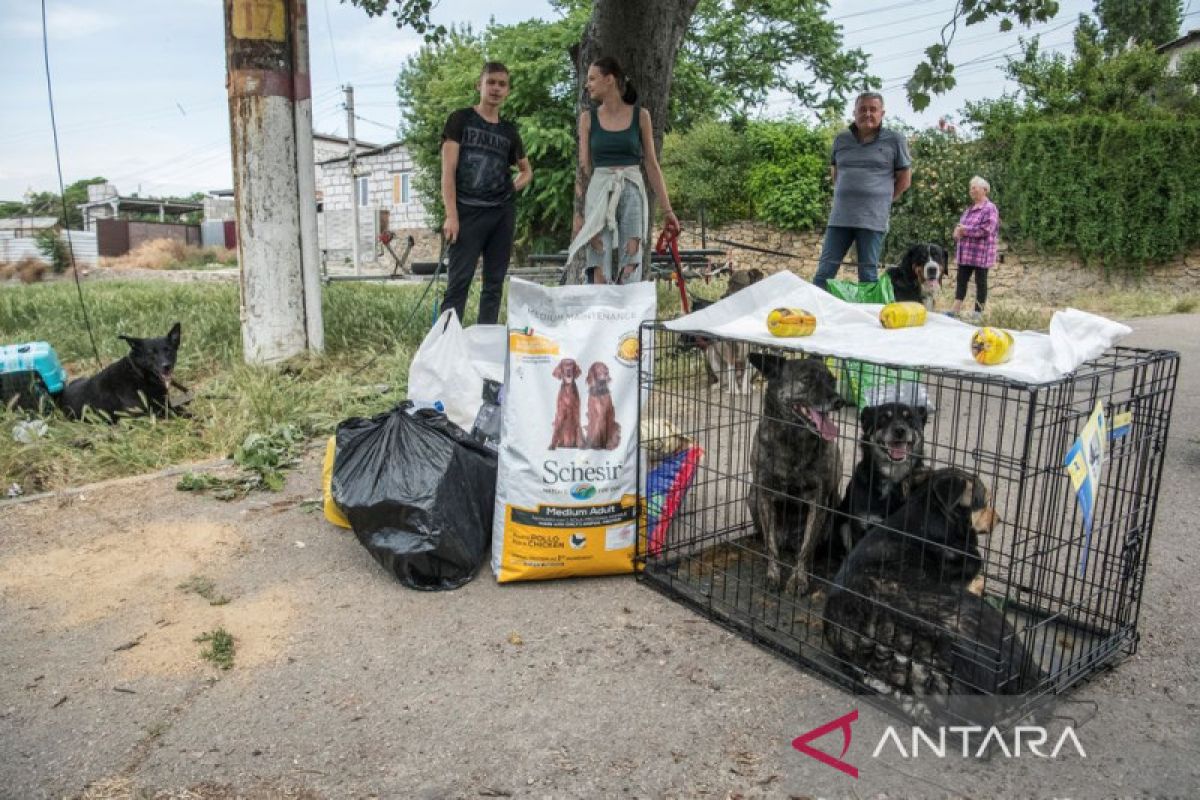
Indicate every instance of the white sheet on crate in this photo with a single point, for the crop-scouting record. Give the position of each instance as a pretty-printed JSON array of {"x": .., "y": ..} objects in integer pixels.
[{"x": 853, "y": 331}]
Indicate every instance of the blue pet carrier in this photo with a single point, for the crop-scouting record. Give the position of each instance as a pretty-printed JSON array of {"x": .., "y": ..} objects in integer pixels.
[{"x": 29, "y": 374}]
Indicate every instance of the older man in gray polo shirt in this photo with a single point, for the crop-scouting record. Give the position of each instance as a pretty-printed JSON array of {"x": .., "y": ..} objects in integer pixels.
[{"x": 870, "y": 168}]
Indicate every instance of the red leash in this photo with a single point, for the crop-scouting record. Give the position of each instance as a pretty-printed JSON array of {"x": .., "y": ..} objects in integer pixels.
[{"x": 669, "y": 239}]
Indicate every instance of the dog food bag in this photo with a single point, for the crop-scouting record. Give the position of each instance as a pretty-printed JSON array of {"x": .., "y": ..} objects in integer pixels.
[{"x": 566, "y": 490}]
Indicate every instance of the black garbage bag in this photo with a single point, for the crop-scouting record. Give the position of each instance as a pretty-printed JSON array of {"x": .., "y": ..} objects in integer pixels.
[{"x": 419, "y": 493}]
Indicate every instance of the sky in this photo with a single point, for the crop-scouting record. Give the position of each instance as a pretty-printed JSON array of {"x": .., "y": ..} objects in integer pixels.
[{"x": 139, "y": 85}]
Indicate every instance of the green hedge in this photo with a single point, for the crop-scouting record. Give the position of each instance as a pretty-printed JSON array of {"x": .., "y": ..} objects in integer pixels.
[
  {"x": 1116, "y": 192},
  {"x": 776, "y": 172},
  {"x": 1119, "y": 192}
]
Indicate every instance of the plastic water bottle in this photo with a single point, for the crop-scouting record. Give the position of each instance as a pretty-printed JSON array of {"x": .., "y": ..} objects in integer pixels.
[
  {"x": 417, "y": 405},
  {"x": 487, "y": 423}
]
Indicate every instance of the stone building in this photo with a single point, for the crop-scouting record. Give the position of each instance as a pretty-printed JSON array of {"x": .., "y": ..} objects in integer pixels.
[{"x": 387, "y": 200}]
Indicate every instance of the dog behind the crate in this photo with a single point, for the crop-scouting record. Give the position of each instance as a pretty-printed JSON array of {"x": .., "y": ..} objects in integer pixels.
[
  {"x": 918, "y": 276},
  {"x": 795, "y": 463},
  {"x": 726, "y": 360},
  {"x": 901, "y": 617}
]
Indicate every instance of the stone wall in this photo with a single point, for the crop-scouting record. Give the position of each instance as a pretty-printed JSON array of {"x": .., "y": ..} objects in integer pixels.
[{"x": 1022, "y": 269}]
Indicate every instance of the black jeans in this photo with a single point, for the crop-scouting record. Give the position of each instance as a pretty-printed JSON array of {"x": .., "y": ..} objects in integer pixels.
[
  {"x": 964, "y": 277},
  {"x": 487, "y": 231}
]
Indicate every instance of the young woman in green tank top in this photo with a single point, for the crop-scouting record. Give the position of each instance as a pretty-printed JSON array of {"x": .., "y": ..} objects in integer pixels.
[{"x": 615, "y": 141}]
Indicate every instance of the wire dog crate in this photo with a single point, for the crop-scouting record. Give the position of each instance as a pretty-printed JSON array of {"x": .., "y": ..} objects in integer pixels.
[{"x": 959, "y": 583}]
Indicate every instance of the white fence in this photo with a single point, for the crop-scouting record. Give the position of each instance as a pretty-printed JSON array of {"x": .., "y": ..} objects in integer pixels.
[{"x": 83, "y": 244}]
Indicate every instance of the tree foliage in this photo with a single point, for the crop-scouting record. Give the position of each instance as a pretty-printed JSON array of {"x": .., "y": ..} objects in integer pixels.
[
  {"x": 1138, "y": 22},
  {"x": 442, "y": 77},
  {"x": 48, "y": 204},
  {"x": 737, "y": 52},
  {"x": 1135, "y": 82},
  {"x": 934, "y": 75}
]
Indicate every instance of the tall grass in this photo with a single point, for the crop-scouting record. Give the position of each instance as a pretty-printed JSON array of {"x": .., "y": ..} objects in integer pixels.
[
  {"x": 171, "y": 254},
  {"x": 232, "y": 400},
  {"x": 371, "y": 333}
]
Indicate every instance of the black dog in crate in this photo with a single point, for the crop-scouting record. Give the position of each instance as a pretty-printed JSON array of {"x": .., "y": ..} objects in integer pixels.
[
  {"x": 902, "y": 620},
  {"x": 893, "y": 451},
  {"x": 795, "y": 462}
]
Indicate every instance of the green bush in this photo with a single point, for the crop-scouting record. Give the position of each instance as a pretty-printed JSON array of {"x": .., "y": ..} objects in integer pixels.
[
  {"x": 791, "y": 194},
  {"x": 1116, "y": 191},
  {"x": 706, "y": 167},
  {"x": 789, "y": 180},
  {"x": 51, "y": 245},
  {"x": 943, "y": 165},
  {"x": 771, "y": 171}
]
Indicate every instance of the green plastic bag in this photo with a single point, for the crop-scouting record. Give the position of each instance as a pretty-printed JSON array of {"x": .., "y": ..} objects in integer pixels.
[
  {"x": 868, "y": 384},
  {"x": 879, "y": 291},
  {"x": 871, "y": 385}
]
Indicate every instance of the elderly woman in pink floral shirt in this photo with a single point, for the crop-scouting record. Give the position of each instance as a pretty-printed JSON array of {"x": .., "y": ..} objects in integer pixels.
[{"x": 976, "y": 233}]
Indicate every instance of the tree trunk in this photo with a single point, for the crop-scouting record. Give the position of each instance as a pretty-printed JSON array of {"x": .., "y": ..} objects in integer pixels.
[{"x": 644, "y": 35}]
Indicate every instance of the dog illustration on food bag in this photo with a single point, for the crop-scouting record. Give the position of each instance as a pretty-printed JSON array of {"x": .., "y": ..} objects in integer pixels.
[
  {"x": 603, "y": 430},
  {"x": 568, "y": 432}
]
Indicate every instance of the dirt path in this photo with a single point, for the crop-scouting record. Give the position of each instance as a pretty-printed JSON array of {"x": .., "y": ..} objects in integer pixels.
[{"x": 347, "y": 685}]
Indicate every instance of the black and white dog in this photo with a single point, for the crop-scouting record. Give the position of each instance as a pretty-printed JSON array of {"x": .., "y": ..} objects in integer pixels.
[
  {"x": 918, "y": 276},
  {"x": 893, "y": 449}
]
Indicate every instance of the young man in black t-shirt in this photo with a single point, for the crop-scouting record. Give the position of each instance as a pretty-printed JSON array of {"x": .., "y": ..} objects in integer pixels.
[{"x": 479, "y": 151}]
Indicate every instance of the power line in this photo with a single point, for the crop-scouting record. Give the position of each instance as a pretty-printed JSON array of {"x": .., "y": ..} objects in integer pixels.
[
  {"x": 892, "y": 25},
  {"x": 62, "y": 190},
  {"x": 391, "y": 128},
  {"x": 985, "y": 63},
  {"x": 1035, "y": 31},
  {"x": 879, "y": 9},
  {"x": 332, "y": 49}
]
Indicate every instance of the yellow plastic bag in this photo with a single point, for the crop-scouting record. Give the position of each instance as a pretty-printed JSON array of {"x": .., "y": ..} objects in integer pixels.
[
  {"x": 791, "y": 322},
  {"x": 902, "y": 315},
  {"x": 992, "y": 346},
  {"x": 332, "y": 512}
]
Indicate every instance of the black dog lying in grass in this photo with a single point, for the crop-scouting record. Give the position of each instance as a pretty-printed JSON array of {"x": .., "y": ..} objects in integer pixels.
[{"x": 137, "y": 383}]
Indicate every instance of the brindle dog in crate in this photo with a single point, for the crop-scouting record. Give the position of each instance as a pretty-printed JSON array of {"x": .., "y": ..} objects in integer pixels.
[{"x": 795, "y": 463}]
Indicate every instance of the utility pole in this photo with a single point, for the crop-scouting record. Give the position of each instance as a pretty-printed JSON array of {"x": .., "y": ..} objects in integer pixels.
[
  {"x": 270, "y": 120},
  {"x": 353, "y": 146}
]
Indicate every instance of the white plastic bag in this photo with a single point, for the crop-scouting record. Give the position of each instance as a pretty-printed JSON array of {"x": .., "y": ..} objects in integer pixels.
[
  {"x": 566, "y": 488},
  {"x": 451, "y": 363}
]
